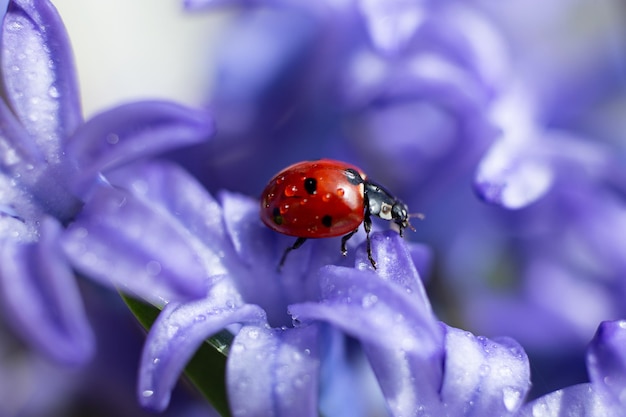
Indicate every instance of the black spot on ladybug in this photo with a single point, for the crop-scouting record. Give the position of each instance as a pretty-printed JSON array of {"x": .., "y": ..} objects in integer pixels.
[
  {"x": 310, "y": 185},
  {"x": 278, "y": 219},
  {"x": 327, "y": 220}
]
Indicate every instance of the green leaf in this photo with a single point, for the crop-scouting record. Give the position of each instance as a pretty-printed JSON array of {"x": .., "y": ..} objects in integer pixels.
[{"x": 207, "y": 369}]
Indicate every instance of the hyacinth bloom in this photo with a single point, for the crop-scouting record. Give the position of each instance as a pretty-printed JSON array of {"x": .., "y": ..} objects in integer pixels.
[
  {"x": 285, "y": 359},
  {"x": 274, "y": 365},
  {"x": 50, "y": 160}
]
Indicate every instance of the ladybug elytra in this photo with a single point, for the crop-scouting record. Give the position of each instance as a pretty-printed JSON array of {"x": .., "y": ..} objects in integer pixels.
[{"x": 327, "y": 198}]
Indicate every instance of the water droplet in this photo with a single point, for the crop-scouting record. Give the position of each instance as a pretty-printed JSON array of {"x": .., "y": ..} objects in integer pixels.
[
  {"x": 291, "y": 191},
  {"x": 200, "y": 318},
  {"x": 53, "y": 92},
  {"x": 511, "y": 397},
  {"x": 341, "y": 192},
  {"x": 326, "y": 197},
  {"x": 153, "y": 268},
  {"x": 156, "y": 361},
  {"x": 369, "y": 300},
  {"x": 253, "y": 334},
  {"x": 147, "y": 393},
  {"x": 112, "y": 139}
]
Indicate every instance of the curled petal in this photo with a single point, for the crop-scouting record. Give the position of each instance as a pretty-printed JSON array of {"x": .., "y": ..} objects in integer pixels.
[
  {"x": 392, "y": 23},
  {"x": 606, "y": 360},
  {"x": 42, "y": 300},
  {"x": 178, "y": 332},
  {"x": 286, "y": 361},
  {"x": 483, "y": 377},
  {"x": 123, "y": 241},
  {"x": 511, "y": 177},
  {"x": 39, "y": 76},
  {"x": 134, "y": 131},
  {"x": 400, "y": 336},
  {"x": 581, "y": 400}
]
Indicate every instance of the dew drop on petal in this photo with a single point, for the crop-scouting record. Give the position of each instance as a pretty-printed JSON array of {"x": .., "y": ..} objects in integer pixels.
[
  {"x": 153, "y": 268},
  {"x": 511, "y": 398},
  {"x": 112, "y": 138},
  {"x": 53, "y": 92},
  {"x": 147, "y": 393},
  {"x": 369, "y": 300}
]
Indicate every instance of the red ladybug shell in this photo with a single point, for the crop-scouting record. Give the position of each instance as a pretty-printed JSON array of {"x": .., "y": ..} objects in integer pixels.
[{"x": 314, "y": 199}]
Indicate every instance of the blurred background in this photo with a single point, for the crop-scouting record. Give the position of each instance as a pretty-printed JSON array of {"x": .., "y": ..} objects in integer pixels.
[{"x": 545, "y": 268}]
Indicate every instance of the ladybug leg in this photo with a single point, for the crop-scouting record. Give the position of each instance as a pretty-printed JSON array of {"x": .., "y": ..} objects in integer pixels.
[
  {"x": 367, "y": 225},
  {"x": 344, "y": 241},
  {"x": 295, "y": 245}
]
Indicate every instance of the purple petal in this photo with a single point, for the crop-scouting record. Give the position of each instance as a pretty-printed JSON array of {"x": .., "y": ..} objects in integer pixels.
[
  {"x": 179, "y": 331},
  {"x": 348, "y": 387},
  {"x": 394, "y": 263},
  {"x": 42, "y": 300},
  {"x": 123, "y": 240},
  {"x": 483, "y": 377},
  {"x": 19, "y": 217},
  {"x": 402, "y": 339},
  {"x": 259, "y": 249},
  {"x": 134, "y": 131},
  {"x": 274, "y": 372},
  {"x": 168, "y": 189},
  {"x": 422, "y": 256},
  {"x": 392, "y": 23},
  {"x": 606, "y": 360},
  {"x": 39, "y": 77},
  {"x": 19, "y": 152},
  {"x": 511, "y": 177},
  {"x": 576, "y": 401}
]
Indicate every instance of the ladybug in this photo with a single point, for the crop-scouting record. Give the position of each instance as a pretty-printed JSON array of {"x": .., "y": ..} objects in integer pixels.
[{"x": 327, "y": 198}]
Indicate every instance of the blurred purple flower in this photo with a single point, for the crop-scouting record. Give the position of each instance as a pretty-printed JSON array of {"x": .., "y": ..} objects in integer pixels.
[
  {"x": 49, "y": 160},
  {"x": 605, "y": 395},
  {"x": 441, "y": 101},
  {"x": 397, "y": 84},
  {"x": 559, "y": 176}
]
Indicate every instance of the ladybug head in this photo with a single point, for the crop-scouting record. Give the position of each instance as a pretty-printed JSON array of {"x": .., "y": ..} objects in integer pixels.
[{"x": 381, "y": 203}]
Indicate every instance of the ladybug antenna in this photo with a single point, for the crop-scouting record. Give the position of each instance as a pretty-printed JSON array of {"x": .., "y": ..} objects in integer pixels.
[
  {"x": 420, "y": 216},
  {"x": 412, "y": 216}
]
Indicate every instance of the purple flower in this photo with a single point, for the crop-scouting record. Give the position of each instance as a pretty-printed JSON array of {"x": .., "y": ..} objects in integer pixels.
[
  {"x": 49, "y": 160},
  {"x": 555, "y": 174},
  {"x": 225, "y": 245},
  {"x": 604, "y": 395}
]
